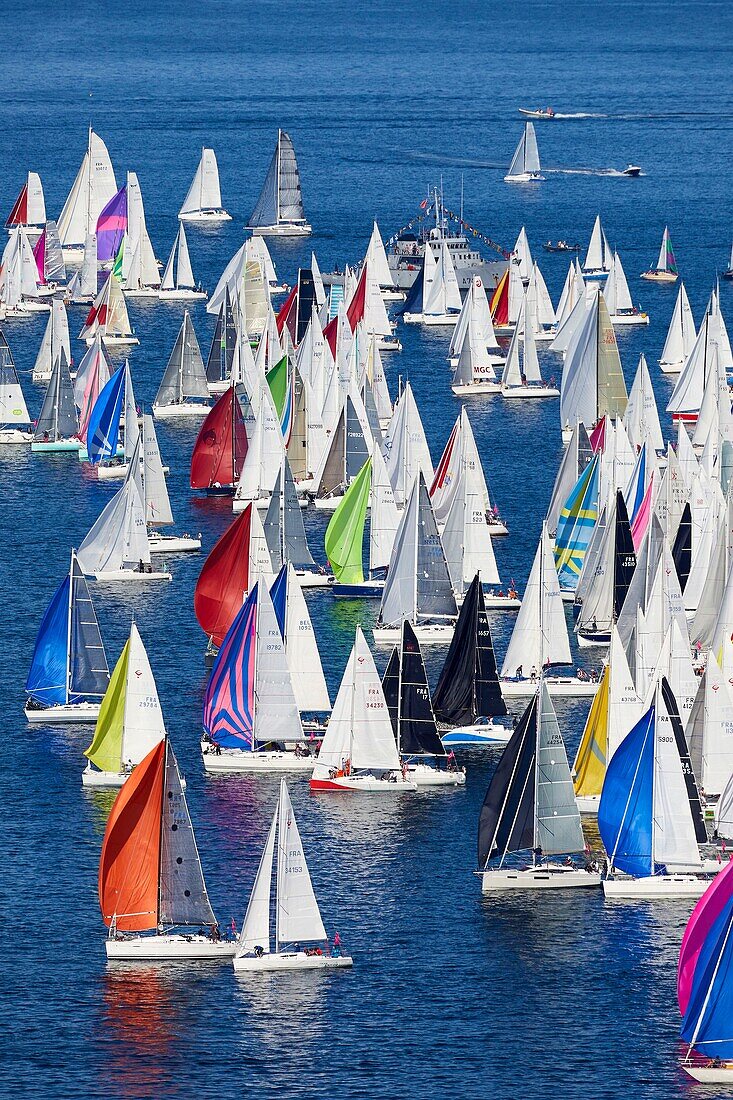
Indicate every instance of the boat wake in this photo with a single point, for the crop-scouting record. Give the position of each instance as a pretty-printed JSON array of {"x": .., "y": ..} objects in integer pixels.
[
  {"x": 578, "y": 114},
  {"x": 585, "y": 171}
]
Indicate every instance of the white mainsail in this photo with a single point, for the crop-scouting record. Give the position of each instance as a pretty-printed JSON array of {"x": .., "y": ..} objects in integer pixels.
[
  {"x": 157, "y": 502},
  {"x": 256, "y": 927},
  {"x": 297, "y": 916},
  {"x": 681, "y": 334},
  {"x": 204, "y": 194},
  {"x": 92, "y": 189},
  {"x": 301, "y": 650},
  {"x": 540, "y": 634}
]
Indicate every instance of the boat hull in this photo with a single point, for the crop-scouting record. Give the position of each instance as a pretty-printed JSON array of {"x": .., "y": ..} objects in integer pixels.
[
  {"x": 14, "y": 436},
  {"x": 182, "y": 295},
  {"x": 475, "y": 389},
  {"x": 169, "y": 947},
  {"x": 290, "y": 229},
  {"x": 371, "y": 590},
  {"x": 629, "y": 319},
  {"x": 487, "y": 735},
  {"x": 529, "y": 391},
  {"x": 433, "y": 634},
  {"x": 720, "y": 1074},
  {"x": 240, "y": 760},
  {"x": 61, "y": 445},
  {"x": 552, "y": 876},
  {"x": 185, "y": 409},
  {"x": 557, "y": 686},
  {"x": 113, "y": 341},
  {"x": 327, "y": 504},
  {"x": 308, "y": 579},
  {"x": 587, "y": 640},
  {"x": 70, "y": 714},
  {"x": 501, "y": 603},
  {"x": 446, "y": 320},
  {"x": 525, "y": 177},
  {"x": 671, "y": 368},
  {"x": 587, "y": 803},
  {"x": 173, "y": 544},
  {"x": 657, "y": 886},
  {"x": 659, "y": 276},
  {"x": 384, "y": 343},
  {"x": 366, "y": 784},
  {"x": 129, "y": 576},
  {"x": 423, "y": 775},
  {"x": 207, "y": 216},
  {"x": 289, "y": 960}
]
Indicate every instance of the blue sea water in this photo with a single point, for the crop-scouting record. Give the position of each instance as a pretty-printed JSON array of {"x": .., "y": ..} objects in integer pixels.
[{"x": 538, "y": 997}]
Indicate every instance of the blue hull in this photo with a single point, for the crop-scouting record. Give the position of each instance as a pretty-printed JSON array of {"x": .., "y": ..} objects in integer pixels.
[{"x": 368, "y": 590}]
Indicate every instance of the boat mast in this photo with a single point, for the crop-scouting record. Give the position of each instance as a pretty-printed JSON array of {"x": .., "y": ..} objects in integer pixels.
[
  {"x": 353, "y": 700},
  {"x": 538, "y": 722},
  {"x": 160, "y": 834},
  {"x": 89, "y": 181},
  {"x": 399, "y": 691},
  {"x": 277, "y": 876},
  {"x": 277, "y": 180}
]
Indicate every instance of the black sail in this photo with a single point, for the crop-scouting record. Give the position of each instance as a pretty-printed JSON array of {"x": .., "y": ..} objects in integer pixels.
[
  {"x": 693, "y": 793},
  {"x": 624, "y": 556},
  {"x": 418, "y": 731},
  {"x": 682, "y": 549},
  {"x": 506, "y": 821},
  {"x": 391, "y": 686},
  {"x": 468, "y": 685}
]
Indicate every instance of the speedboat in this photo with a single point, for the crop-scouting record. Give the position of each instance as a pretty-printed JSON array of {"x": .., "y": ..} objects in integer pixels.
[
  {"x": 632, "y": 170},
  {"x": 541, "y": 112},
  {"x": 484, "y": 732}
]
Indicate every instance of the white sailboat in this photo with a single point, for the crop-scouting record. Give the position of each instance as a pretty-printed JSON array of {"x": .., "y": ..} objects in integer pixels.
[
  {"x": 406, "y": 448},
  {"x": 525, "y": 165},
  {"x": 92, "y": 189},
  {"x": 203, "y": 201},
  {"x": 524, "y": 380},
  {"x": 376, "y": 258},
  {"x": 297, "y": 916},
  {"x": 183, "y": 390},
  {"x": 475, "y": 371},
  {"x": 157, "y": 502},
  {"x": 301, "y": 646},
  {"x": 109, "y": 317},
  {"x": 130, "y": 722},
  {"x": 461, "y": 451},
  {"x": 82, "y": 287},
  {"x": 358, "y": 751},
  {"x": 140, "y": 271},
  {"x": 540, "y": 636},
  {"x": 592, "y": 384},
  {"x": 57, "y": 426},
  {"x": 598, "y": 258},
  {"x": 681, "y": 335},
  {"x": 285, "y": 532},
  {"x": 55, "y": 337},
  {"x": 530, "y": 808},
  {"x": 441, "y": 297},
  {"x": 618, "y": 297},
  {"x": 178, "y": 284},
  {"x": 117, "y": 546},
  {"x": 29, "y": 209},
  {"x": 15, "y": 422},
  {"x": 418, "y": 585},
  {"x": 69, "y": 674},
  {"x": 665, "y": 270},
  {"x": 475, "y": 312},
  {"x": 279, "y": 210}
]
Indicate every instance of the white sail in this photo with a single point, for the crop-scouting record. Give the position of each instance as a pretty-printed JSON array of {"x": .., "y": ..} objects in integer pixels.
[
  {"x": 642, "y": 416},
  {"x": 256, "y": 927},
  {"x": 710, "y": 730},
  {"x": 674, "y": 843},
  {"x": 35, "y": 202},
  {"x": 143, "y": 726},
  {"x": 13, "y": 409},
  {"x": 301, "y": 650},
  {"x": 118, "y": 539},
  {"x": 92, "y": 189},
  {"x": 298, "y": 919},
  {"x": 681, "y": 334},
  {"x": 616, "y": 291},
  {"x": 688, "y": 391},
  {"x": 466, "y": 535},
  {"x": 406, "y": 448},
  {"x": 624, "y": 705},
  {"x": 384, "y": 515},
  {"x": 204, "y": 193},
  {"x": 540, "y": 634},
  {"x": 598, "y": 256},
  {"x": 376, "y": 259},
  {"x": 359, "y": 729},
  {"x": 276, "y": 714},
  {"x": 557, "y": 819},
  {"x": 157, "y": 502}
]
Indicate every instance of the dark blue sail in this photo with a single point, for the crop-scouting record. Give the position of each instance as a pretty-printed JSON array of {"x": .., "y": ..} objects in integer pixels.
[
  {"x": 104, "y": 422},
  {"x": 708, "y": 1021},
  {"x": 88, "y": 668},
  {"x": 279, "y": 596},
  {"x": 47, "y": 678},
  {"x": 625, "y": 809}
]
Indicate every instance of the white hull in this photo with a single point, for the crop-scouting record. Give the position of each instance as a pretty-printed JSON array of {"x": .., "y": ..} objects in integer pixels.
[
  {"x": 659, "y": 276},
  {"x": 423, "y": 775},
  {"x": 392, "y": 294},
  {"x": 501, "y": 603},
  {"x": 14, "y": 436},
  {"x": 384, "y": 343},
  {"x": 587, "y": 803},
  {"x": 497, "y": 528},
  {"x": 551, "y": 876},
  {"x": 207, "y": 216},
  {"x": 186, "y": 408},
  {"x": 113, "y": 341},
  {"x": 475, "y": 389},
  {"x": 35, "y": 305},
  {"x": 169, "y": 947},
  {"x": 712, "y": 1074},
  {"x": 629, "y": 319},
  {"x": 182, "y": 295},
  {"x": 308, "y": 579},
  {"x": 438, "y": 319},
  {"x": 110, "y": 473},
  {"x": 671, "y": 368},
  {"x": 657, "y": 886},
  {"x": 141, "y": 292},
  {"x": 218, "y": 387},
  {"x": 557, "y": 686},
  {"x": 525, "y": 177},
  {"x": 286, "y": 229},
  {"x": 327, "y": 504},
  {"x": 528, "y": 392},
  {"x": 482, "y": 735},
  {"x": 426, "y": 635},
  {"x": 93, "y": 778},
  {"x": 129, "y": 576},
  {"x": 72, "y": 713},
  {"x": 173, "y": 544},
  {"x": 240, "y": 760},
  {"x": 289, "y": 960},
  {"x": 366, "y": 784}
]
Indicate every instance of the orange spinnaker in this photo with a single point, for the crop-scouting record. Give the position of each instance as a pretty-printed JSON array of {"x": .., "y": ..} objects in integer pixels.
[{"x": 130, "y": 861}]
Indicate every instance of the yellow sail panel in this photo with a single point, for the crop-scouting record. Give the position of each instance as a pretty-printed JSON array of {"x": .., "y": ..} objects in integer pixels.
[
  {"x": 589, "y": 768},
  {"x": 612, "y": 393},
  {"x": 106, "y": 748}
]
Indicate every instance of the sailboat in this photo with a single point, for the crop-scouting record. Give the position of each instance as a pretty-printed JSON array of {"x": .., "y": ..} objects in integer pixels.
[
  {"x": 593, "y": 384},
  {"x": 29, "y": 209},
  {"x": 599, "y": 257},
  {"x": 525, "y": 165},
  {"x": 649, "y": 817},
  {"x": 285, "y": 532},
  {"x": 178, "y": 283},
  {"x": 467, "y": 696},
  {"x": 130, "y": 721},
  {"x": 358, "y": 751},
  {"x": 223, "y": 345},
  {"x": 301, "y": 648},
  {"x": 575, "y": 527},
  {"x": 344, "y": 538},
  {"x": 82, "y": 287},
  {"x": 540, "y": 636},
  {"x": 57, "y": 426},
  {"x": 347, "y": 452},
  {"x": 475, "y": 371},
  {"x": 681, "y": 335},
  {"x": 251, "y": 719},
  {"x": 140, "y": 271},
  {"x": 604, "y": 597},
  {"x": 203, "y": 201},
  {"x": 157, "y": 502},
  {"x": 728, "y": 273},
  {"x": 264, "y": 454},
  {"x": 666, "y": 266},
  {"x": 93, "y": 374},
  {"x": 703, "y": 984},
  {"x": 183, "y": 389},
  {"x": 49, "y": 260},
  {"x": 618, "y": 297},
  {"x": 55, "y": 337},
  {"x": 297, "y": 916},
  {"x": 279, "y": 210},
  {"x": 151, "y": 887},
  {"x": 377, "y": 257},
  {"x": 109, "y": 316},
  {"x": 407, "y": 694},
  {"x": 15, "y": 422},
  {"x": 221, "y": 446},
  {"x": 441, "y": 297},
  {"x": 69, "y": 674},
  {"x": 117, "y": 546},
  {"x": 418, "y": 585},
  {"x": 230, "y": 571},
  {"x": 525, "y": 380},
  {"x": 115, "y": 407},
  {"x": 92, "y": 189},
  {"x": 530, "y": 808},
  {"x": 460, "y": 452}
]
